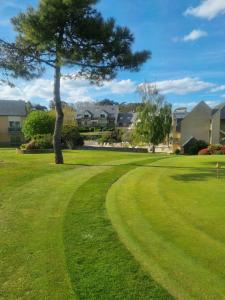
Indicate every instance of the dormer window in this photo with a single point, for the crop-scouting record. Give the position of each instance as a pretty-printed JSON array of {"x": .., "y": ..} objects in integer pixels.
[
  {"x": 87, "y": 115},
  {"x": 102, "y": 116}
]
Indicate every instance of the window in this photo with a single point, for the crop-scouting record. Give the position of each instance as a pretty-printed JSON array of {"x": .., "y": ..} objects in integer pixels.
[
  {"x": 102, "y": 116},
  {"x": 14, "y": 126}
]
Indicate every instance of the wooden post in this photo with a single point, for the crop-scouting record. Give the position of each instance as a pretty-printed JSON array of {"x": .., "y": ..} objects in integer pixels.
[{"x": 218, "y": 167}]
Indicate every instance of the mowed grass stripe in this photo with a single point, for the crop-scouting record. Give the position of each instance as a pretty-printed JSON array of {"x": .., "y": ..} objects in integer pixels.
[
  {"x": 100, "y": 267},
  {"x": 34, "y": 194},
  {"x": 183, "y": 257},
  {"x": 32, "y": 250}
]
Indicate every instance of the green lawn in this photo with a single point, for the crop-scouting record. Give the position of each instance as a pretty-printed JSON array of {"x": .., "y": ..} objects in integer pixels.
[
  {"x": 161, "y": 234},
  {"x": 56, "y": 239},
  {"x": 171, "y": 216}
]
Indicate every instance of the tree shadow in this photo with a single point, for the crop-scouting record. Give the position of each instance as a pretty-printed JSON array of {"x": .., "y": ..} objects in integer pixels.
[{"x": 199, "y": 176}]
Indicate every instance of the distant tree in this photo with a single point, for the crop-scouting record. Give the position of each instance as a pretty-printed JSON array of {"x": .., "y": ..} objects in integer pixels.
[
  {"x": 69, "y": 112},
  {"x": 167, "y": 120},
  {"x": 154, "y": 116},
  {"x": 29, "y": 107},
  {"x": 69, "y": 33},
  {"x": 107, "y": 102},
  {"x": 39, "y": 107},
  {"x": 38, "y": 122},
  {"x": 128, "y": 107}
]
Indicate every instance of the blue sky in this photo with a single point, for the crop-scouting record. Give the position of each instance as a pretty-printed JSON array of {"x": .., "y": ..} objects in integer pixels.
[{"x": 186, "y": 38}]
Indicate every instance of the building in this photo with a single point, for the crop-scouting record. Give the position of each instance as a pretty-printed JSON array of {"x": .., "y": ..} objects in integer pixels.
[
  {"x": 126, "y": 119},
  {"x": 202, "y": 123},
  {"x": 178, "y": 115},
  {"x": 96, "y": 115},
  {"x": 12, "y": 115}
]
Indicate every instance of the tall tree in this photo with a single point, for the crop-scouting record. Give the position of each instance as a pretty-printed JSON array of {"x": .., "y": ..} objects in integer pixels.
[
  {"x": 70, "y": 33},
  {"x": 154, "y": 119}
]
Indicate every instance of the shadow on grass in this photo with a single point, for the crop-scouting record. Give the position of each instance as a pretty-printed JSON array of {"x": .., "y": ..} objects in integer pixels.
[
  {"x": 203, "y": 173},
  {"x": 145, "y": 166},
  {"x": 200, "y": 176}
]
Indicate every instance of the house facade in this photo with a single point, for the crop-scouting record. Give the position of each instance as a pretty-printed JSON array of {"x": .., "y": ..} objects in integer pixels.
[
  {"x": 12, "y": 115},
  {"x": 202, "y": 123},
  {"x": 95, "y": 115}
]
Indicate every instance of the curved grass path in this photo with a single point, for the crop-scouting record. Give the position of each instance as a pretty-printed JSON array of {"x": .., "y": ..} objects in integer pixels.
[
  {"x": 35, "y": 201},
  {"x": 99, "y": 265},
  {"x": 171, "y": 216}
]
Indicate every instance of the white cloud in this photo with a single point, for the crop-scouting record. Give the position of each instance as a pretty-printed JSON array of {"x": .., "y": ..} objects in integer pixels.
[
  {"x": 208, "y": 9},
  {"x": 6, "y": 92},
  {"x": 119, "y": 87},
  {"x": 195, "y": 35},
  {"x": 192, "y": 104},
  {"x": 218, "y": 89},
  {"x": 183, "y": 86},
  {"x": 71, "y": 90}
]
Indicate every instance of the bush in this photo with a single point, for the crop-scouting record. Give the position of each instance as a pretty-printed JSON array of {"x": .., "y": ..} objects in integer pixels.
[
  {"x": 196, "y": 146},
  {"x": 127, "y": 136},
  {"x": 111, "y": 137},
  {"x": 204, "y": 152},
  {"x": 42, "y": 141},
  {"x": 38, "y": 123},
  {"x": 71, "y": 136},
  {"x": 177, "y": 152},
  {"x": 214, "y": 150}
]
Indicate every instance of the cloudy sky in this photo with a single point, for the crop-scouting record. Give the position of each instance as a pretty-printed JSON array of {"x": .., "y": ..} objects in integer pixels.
[{"x": 186, "y": 38}]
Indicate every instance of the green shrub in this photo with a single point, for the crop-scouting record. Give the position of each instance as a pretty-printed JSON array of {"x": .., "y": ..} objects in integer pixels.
[
  {"x": 42, "y": 141},
  {"x": 111, "y": 137},
  {"x": 71, "y": 137},
  {"x": 204, "y": 151},
  {"x": 38, "y": 123},
  {"x": 196, "y": 146},
  {"x": 127, "y": 136},
  {"x": 177, "y": 152}
]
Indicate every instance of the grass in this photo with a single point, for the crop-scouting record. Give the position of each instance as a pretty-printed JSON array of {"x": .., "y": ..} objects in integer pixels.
[
  {"x": 171, "y": 216},
  {"x": 104, "y": 268},
  {"x": 56, "y": 239}
]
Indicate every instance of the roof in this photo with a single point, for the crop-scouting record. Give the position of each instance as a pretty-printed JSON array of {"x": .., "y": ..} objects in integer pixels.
[
  {"x": 96, "y": 110},
  {"x": 220, "y": 107},
  {"x": 188, "y": 141},
  {"x": 126, "y": 117},
  {"x": 12, "y": 108},
  {"x": 180, "y": 113}
]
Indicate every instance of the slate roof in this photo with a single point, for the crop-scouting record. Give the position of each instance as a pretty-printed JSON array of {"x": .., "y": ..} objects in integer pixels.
[
  {"x": 220, "y": 107},
  {"x": 126, "y": 118},
  {"x": 12, "y": 108},
  {"x": 180, "y": 113},
  {"x": 96, "y": 109}
]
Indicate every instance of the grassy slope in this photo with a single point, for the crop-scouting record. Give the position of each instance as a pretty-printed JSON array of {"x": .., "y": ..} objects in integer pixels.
[
  {"x": 174, "y": 223},
  {"x": 33, "y": 206},
  {"x": 99, "y": 265}
]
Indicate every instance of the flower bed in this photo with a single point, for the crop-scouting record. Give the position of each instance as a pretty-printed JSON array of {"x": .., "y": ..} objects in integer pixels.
[{"x": 213, "y": 150}]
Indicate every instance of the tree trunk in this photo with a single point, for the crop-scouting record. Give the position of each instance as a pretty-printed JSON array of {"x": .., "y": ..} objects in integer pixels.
[{"x": 59, "y": 118}]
